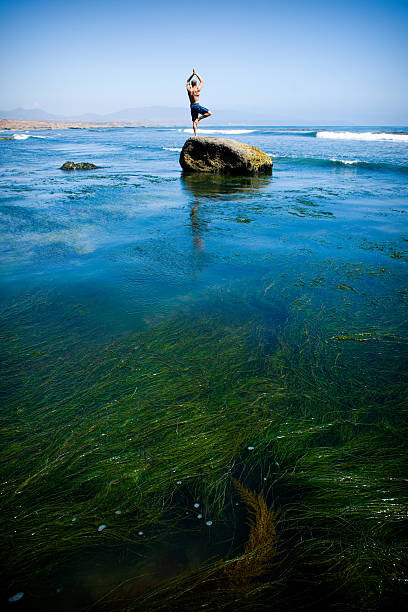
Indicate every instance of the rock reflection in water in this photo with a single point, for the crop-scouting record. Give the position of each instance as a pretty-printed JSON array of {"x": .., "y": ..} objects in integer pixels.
[{"x": 216, "y": 187}]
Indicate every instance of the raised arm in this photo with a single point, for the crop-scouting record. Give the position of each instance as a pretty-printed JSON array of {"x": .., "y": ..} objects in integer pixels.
[
  {"x": 189, "y": 79},
  {"x": 198, "y": 77}
]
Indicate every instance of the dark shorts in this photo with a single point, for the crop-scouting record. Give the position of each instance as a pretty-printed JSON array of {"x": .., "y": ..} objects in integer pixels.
[{"x": 197, "y": 109}]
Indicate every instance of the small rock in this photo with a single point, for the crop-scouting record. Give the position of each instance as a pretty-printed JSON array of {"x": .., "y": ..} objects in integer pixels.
[
  {"x": 242, "y": 220},
  {"x": 78, "y": 166}
]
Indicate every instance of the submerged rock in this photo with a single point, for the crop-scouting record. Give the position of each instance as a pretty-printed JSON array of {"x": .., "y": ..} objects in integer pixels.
[
  {"x": 69, "y": 165},
  {"x": 224, "y": 156}
]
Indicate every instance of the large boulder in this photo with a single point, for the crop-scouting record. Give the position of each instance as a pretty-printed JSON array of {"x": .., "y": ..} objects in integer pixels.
[
  {"x": 222, "y": 155},
  {"x": 69, "y": 165}
]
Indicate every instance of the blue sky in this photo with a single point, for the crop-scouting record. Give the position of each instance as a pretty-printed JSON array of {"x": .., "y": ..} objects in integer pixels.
[{"x": 299, "y": 60}]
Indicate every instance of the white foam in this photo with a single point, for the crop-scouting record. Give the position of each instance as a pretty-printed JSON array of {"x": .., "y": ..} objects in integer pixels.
[
  {"x": 172, "y": 149},
  {"x": 215, "y": 131},
  {"x": 348, "y": 162},
  {"x": 363, "y": 136},
  {"x": 25, "y": 136}
]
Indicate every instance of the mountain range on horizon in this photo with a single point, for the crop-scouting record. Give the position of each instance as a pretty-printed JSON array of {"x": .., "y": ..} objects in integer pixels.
[
  {"x": 145, "y": 114},
  {"x": 180, "y": 116}
]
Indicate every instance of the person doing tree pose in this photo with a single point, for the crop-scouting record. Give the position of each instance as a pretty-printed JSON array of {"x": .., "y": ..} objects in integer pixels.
[{"x": 193, "y": 91}]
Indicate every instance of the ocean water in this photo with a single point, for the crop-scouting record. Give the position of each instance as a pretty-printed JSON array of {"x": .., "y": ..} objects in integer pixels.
[{"x": 268, "y": 313}]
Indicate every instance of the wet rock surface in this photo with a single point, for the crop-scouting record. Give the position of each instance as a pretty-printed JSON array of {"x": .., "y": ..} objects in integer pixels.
[
  {"x": 69, "y": 165},
  {"x": 223, "y": 156}
]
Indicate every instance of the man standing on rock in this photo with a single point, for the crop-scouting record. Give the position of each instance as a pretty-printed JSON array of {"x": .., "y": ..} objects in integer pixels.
[{"x": 194, "y": 91}]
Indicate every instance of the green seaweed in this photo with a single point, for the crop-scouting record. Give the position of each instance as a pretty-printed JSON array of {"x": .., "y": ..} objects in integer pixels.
[{"x": 263, "y": 388}]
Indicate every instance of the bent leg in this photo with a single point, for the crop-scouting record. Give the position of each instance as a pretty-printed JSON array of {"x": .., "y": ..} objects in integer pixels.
[{"x": 207, "y": 114}]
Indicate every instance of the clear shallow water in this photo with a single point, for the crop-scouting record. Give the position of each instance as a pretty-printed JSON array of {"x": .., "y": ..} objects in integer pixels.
[
  {"x": 134, "y": 252},
  {"x": 88, "y": 227}
]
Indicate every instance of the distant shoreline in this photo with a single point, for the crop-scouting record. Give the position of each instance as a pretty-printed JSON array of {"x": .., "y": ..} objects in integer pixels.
[{"x": 14, "y": 124}]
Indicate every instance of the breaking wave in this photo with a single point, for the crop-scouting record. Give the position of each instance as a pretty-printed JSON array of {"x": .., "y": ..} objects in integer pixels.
[
  {"x": 220, "y": 131},
  {"x": 352, "y": 163},
  {"x": 346, "y": 162},
  {"x": 397, "y": 137},
  {"x": 177, "y": 149},
  {"x": 25, "y": 136},
  {"x": 285, "y": 132}
]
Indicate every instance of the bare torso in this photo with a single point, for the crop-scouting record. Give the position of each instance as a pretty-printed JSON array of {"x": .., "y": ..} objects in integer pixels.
[
  {"x": 193, "y": 91},
  {"x": 194, "y": 94}
]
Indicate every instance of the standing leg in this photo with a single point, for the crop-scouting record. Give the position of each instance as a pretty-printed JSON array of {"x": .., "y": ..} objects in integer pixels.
[{"x": 195, "y": 123}]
